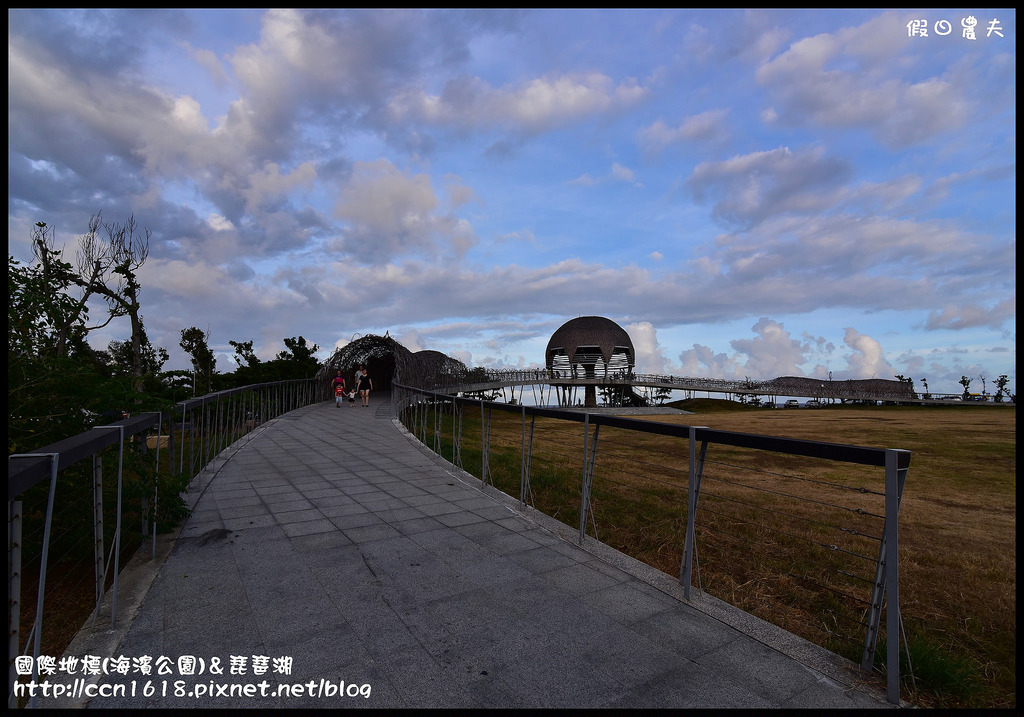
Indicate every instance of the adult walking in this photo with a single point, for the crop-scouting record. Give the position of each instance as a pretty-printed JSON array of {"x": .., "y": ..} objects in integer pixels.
[
  {"x": 364, "y": 385},
  {"x": 339, "y": 389}
]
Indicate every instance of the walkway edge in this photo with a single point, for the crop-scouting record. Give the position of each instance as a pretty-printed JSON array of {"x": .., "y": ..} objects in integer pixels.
[{"x": 134, "y": 581}]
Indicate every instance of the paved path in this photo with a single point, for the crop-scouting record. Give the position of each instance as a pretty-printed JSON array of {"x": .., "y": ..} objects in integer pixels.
[{"x": 334, "y": 539}]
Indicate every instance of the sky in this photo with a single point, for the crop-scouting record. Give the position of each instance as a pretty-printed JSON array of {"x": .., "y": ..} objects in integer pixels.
[{"x": 749, "y": 193}]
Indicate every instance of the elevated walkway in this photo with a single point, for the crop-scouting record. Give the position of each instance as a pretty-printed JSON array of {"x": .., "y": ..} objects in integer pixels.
[{"x": 332, "y": 561}]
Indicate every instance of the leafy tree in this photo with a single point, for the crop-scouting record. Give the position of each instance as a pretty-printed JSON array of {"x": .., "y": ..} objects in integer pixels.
[
  {"x": 910, "y": 383},
  {"x": 122, "y": 356},
  {"x": 60, "y": 276},
  {"x": 38, "y": 379},
  {"x": 244, "y": 352},
  {"x": 298, "y": 360},
  {"x": 966, "y": 383},
  {"x": 1001, "y": 388},
  {"x": 196, "y": 344}
]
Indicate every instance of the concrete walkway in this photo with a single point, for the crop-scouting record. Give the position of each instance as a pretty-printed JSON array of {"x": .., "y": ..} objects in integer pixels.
[{"x": 334, "y": 557}]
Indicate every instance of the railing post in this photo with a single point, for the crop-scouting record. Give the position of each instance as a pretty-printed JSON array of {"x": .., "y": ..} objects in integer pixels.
[
  {"x": 895, "y": 480},
  {"x": 437, "y": 426},
  {"x": 202, "y": 441},
  {"x": 191, "y": 435},
  {"x": 485, "y": 436},
  {"x": 457, "y": 435},
  {"x": 218, "y": 429},
  {"x": 696, "y": 475},
  {"x": 117, "y": 522},
  {"x": 48, "y": 524},
  {"x": 525, "y": 492},
  {"x": 97, "y": 529},
  {"x": 14, "y": 540},
  {"x": 886, "y": 587},
  {"x": 156, "y": 480},
  {"x": 589, "y": 458}
]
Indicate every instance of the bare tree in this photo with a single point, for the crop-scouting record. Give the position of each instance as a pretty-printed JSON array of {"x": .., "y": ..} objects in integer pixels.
[
  {"x": 93, "y": 263},
  {"x": 129, "y": 249},
  {"x": 105, "y": 268}
]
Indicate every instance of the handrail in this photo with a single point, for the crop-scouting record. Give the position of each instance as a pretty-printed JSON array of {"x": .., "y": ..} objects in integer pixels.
[
  {"x": 217, "y": 427},
  {"x": 32, "y": 469},
  {"x": 795, "y": 446}
]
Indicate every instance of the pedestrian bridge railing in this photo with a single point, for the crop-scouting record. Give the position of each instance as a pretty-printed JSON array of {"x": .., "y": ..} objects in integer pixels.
[
  {"x": 801, "y": 533},
  {"x": 71, "y": 528}
]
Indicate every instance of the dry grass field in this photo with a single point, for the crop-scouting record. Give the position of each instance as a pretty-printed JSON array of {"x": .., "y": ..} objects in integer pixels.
[
  {"x": 957, "y": 533},
  {"x": 802, "y": 563}
]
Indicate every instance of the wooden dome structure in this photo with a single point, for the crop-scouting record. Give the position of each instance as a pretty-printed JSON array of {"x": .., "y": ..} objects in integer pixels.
[
  {"x": 590, "y": 347},
  {"x": 387, "y": 360},
  {"x": 380, "y": 354}
]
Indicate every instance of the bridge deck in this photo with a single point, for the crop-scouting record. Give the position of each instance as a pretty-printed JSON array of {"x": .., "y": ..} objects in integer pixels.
[{"x": 335, "y": 539}]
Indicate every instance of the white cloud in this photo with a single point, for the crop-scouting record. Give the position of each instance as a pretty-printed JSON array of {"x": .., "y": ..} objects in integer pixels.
[
  {"x": 703, "y": 361},
  {"x": 701, "y": 127},
  {"x": 848, "y": 79},
  {"x": 219, "y": 223},
  {"x": 390, "y": 213},
  {"x": 537, "y": 105},
  {"x": 772, "y": 353},
  {"x": 955, "y": 316},
  {"x": 209, "y": 61},
  {"x": 269, "y": 184},
  {"x": 867, "y": 360},
  {"x": 617, "y": 173},
  {"x": 650, "y": 356},
  {"x": 754, "y": 186}
]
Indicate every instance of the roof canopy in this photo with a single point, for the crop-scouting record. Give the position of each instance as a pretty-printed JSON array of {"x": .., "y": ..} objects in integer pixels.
[{"x": 587, "y": 340}]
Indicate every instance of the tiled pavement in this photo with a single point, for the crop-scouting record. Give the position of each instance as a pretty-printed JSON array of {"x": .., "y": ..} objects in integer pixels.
[{"x": 334, "y": 539}]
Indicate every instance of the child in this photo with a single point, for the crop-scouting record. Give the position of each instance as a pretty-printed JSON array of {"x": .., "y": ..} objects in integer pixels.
[{"x": 339, "y": 388}]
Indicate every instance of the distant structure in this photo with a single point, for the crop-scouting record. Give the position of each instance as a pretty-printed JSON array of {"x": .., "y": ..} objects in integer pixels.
[
  {"x": 387, "y": 360},
  {"x": 590, "y": 347}
]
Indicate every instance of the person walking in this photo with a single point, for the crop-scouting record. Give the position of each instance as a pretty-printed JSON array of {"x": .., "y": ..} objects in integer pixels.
[
  {"x": 364, "y": 385},
  {"x": 338, "y": 384}
]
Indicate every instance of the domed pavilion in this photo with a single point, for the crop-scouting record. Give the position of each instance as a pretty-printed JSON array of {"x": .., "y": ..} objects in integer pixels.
[{"x": 590, "y": 347}]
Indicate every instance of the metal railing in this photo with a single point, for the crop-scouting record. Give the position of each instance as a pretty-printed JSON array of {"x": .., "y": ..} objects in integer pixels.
[
  {"x": 765, "y": 506},
  {"x": 864, "y": 390},
  {"x": 51, "y": 500}
]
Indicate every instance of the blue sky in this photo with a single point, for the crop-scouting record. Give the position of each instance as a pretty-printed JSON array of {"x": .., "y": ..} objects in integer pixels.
[{"x": 748, "y": 192}]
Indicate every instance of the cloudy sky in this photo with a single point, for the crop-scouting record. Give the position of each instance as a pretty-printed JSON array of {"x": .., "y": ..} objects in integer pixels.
[{"x": 748, "y": 193}]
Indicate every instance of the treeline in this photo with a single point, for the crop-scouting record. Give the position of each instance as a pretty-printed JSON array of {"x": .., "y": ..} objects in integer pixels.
[{"x": 58, "y": 385}]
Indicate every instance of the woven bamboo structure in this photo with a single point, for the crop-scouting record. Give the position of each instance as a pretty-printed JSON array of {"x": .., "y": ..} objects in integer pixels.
[
  {"x": 432, "y": 370},
  {"x": 387, "y": 360},
  {"x": 583, "y": 344},
  {"x": 590, "y": 347},
  {"x": 380, "y": 354}
]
